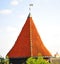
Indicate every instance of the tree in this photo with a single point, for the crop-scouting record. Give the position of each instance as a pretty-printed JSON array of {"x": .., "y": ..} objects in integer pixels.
[
  {"x": 38, "y": 60},
  {"x": 6, "y": 60}
]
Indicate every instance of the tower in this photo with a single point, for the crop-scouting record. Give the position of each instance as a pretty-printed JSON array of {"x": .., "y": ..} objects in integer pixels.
[{"x": 28, "y": 44}]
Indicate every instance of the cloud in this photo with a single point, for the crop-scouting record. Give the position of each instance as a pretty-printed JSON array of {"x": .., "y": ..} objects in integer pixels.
[
  {"x": 11, "y": 29},
  {"x": 8, "y": 35},
  {"x": 6, "y": 11},
  {"x": 14, "y": 2},
  {"x": 20, "y": 0},
  {"x": 21, "y": 16}
]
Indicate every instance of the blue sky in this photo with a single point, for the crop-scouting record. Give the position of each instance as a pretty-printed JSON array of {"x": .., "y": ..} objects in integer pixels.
[{"x": 46, "y": 16}]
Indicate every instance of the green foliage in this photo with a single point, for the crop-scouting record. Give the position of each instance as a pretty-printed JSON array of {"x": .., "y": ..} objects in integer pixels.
[
  {"x": 6, "y": 60},
  {"x": 39, "y": 60}
]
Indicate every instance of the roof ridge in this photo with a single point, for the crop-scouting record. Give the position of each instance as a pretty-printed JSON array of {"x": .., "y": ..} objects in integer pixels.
[{"x": 31, "y": 38}]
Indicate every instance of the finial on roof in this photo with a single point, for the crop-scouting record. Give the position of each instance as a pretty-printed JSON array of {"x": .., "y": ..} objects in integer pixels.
[
  {"x": 30, "y": 5},
  {"x": 29, "y": 15}
]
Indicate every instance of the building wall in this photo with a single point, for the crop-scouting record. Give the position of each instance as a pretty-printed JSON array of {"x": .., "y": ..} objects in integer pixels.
[{"x": 17, "y": 60}]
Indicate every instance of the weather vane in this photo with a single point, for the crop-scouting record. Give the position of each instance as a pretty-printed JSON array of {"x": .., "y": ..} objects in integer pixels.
[{"x": 30, "y": 5}]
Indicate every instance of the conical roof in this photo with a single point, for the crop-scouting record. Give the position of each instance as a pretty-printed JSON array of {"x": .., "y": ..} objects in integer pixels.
[{"x": 28, "y": 43}]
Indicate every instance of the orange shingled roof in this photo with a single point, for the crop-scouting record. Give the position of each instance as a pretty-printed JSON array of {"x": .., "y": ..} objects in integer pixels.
[{"x": 28, "y": 43}]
